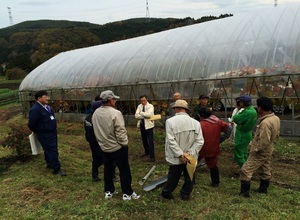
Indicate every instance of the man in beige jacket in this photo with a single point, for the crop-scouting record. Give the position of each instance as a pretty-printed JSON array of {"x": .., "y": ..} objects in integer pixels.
[
  {"x": 143, "y": 112},
  {"x": 111, "y": 135},
  {"x": 261, "y": 148}
]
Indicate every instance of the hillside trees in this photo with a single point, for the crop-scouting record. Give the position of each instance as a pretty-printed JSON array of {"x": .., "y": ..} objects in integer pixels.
[
  {"x": 4, "y": 50},
  {"x": 27, "y": 50},
  {"x": 53, "y": 41}
]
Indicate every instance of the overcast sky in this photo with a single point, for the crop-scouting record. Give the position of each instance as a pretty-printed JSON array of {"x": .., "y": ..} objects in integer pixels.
[{"x": 105, "y": 11}]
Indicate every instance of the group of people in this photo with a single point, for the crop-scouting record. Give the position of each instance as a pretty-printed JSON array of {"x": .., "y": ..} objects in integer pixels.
[
  {"x": 215, "y": 131},
  {"x": 198, "y": 136},
  {"x": 261, "y": 147}
]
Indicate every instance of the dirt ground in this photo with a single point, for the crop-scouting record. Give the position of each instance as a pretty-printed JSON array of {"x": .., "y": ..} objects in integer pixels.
[
  {"x": 285, "y": 171},
  {"x": 6, "y": 114}
]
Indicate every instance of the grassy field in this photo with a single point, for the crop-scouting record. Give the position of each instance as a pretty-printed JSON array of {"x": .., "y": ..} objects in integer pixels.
[{"x": 29, "y": 191}]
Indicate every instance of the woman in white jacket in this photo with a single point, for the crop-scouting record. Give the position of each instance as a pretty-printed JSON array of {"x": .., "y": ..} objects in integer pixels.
[{"x": 236, "y": 111}]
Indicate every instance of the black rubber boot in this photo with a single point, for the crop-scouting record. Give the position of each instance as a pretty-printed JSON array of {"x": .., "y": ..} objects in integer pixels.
[
  {"x": 245, "y": 188},
  {"x": 263, "y": 187},
  {"x": 214, "y": 175}
]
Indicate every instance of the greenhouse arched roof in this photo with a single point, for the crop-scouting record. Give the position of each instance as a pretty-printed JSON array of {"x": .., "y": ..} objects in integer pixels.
[{"x": 265, "y": 41}]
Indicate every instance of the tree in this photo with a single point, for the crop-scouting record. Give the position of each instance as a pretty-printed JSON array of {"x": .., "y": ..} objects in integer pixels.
[{"x": 15, "y": 73}]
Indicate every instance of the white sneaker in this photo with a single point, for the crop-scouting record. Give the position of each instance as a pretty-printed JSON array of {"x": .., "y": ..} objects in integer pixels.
[
  {"x": 126, "y": 197},
  {"x": 132, "y": 196},
  {"x": 109, "y": 195},
  {"x": 135, "y": 196}
]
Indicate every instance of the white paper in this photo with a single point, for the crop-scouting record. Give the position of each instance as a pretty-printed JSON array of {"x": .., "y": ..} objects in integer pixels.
[{"x": 36, "y": 146}]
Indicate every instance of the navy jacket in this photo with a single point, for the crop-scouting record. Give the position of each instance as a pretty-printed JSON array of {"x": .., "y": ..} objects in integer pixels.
[
  {"x": 41, "y": 120},
  {"x": 89, "y": 130}
]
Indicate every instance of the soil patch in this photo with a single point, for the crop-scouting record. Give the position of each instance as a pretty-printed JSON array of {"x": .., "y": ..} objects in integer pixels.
[
  {"x": 285, "y": 171},
  {"x": 6, "y": 162},
  {"x": 6, "y": 114},
  {"x": 11, "y": 86}
]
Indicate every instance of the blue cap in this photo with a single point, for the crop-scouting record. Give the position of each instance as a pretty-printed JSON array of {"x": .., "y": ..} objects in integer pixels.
[
  {"x": 96, "y": 105},
  {"x": 245, "y": 99}
]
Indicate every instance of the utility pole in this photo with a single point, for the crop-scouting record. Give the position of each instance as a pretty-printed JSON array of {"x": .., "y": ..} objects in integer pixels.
[
  {"x": 10, "y": 16},
  {"x": 147, "y": 10}
]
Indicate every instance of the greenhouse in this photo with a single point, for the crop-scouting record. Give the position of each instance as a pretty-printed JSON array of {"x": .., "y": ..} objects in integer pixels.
[{"x": 256, "y": 53}]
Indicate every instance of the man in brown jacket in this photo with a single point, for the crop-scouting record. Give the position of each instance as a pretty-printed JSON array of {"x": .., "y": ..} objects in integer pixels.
[{"x": 261, "y": 148}]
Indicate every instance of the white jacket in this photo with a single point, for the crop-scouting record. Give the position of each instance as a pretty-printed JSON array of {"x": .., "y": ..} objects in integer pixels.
[
  {"x": 183, "y": 134},
  {"x": 235, "y": 112},
  {"x": 149, "y": 111}
]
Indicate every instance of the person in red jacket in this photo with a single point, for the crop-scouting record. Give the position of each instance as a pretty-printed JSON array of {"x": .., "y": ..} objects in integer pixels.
[{"x": 212, "y": 127}]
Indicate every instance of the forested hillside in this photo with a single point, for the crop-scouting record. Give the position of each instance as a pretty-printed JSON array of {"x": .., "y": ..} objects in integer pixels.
[{"x": 26, "y": 45}]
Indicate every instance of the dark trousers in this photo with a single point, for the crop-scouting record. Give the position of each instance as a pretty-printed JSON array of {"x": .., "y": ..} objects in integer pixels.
[
  {"x": 49, "y": 143},
  {"x": 147, "y": 138},
  {"x": 211, "y": 162},
  {"x": 121, "y": 159},
  {"x": 173, "y": 179},
  {"x": 97, "y": 156}
]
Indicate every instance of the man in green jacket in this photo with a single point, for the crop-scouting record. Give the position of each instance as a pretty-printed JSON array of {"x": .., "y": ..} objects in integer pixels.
[{"x": 245, "y": 122}]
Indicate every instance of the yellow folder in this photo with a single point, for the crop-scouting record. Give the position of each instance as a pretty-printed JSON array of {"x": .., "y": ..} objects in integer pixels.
[
  {"x": 191, "y": 166},
  {"x": 155, "y": 117}
]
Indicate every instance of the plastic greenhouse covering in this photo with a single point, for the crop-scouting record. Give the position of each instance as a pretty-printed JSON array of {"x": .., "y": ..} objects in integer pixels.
[{"x": 257, "y": 53}]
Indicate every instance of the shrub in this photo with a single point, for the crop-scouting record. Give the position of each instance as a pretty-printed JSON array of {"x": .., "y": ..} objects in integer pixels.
[
  {"x": 15, "y": 73},
  {"x": 18, "y": 139}
]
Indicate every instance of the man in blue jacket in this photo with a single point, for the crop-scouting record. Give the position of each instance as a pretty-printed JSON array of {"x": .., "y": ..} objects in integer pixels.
[
  {"x": 97, "y": 154},
  {"x": 43, "y": 123}
]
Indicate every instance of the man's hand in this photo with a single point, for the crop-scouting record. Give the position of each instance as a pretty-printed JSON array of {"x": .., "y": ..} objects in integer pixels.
[
  {"x": 144, "y": 115},
  {"x": 184, "y": 156}
]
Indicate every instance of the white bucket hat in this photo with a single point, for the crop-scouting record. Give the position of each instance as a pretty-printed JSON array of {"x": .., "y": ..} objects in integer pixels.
[{"x": 181, "y": 104}]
